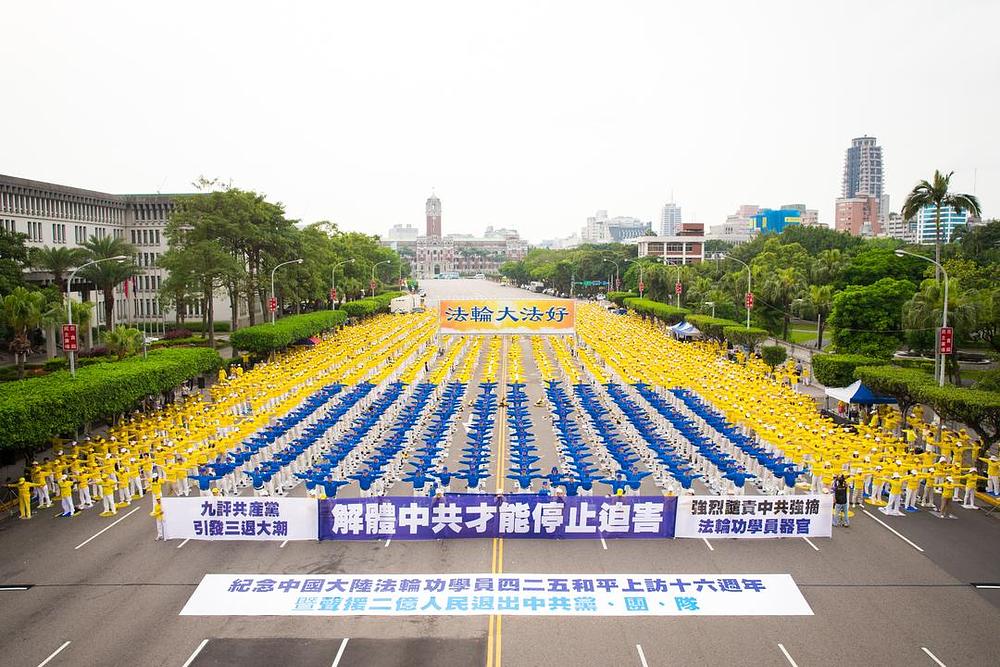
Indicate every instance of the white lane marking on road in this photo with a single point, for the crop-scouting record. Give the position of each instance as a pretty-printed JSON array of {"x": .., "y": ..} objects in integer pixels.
[
  {"x": 642, "y": 656},
  {"x": 183, "y": 543},
  {"x": 340, "y": 652},
  {"x": 708, "y": 544},
  {"x": 282, "y": 545},
  {"x": 932, "y": 656},
  {"x": 787, "y": 656},
  {"x": 387, "y": 543},
  {"x": 893, "y": 531},
  {"x": 603, "y": 543},
  {"x": 109, "y": 527},
  {"x": 809, "y": 542},
  {"x": 65, "y": 644},
  {"x": 195, "y": 654}
]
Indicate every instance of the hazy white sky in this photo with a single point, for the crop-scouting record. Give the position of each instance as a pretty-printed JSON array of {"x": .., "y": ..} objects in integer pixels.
[{"x": 529, "y": 115}]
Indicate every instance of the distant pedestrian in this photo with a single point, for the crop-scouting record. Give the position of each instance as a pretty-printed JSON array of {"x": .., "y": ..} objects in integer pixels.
[{"x": 840, "y": 510}]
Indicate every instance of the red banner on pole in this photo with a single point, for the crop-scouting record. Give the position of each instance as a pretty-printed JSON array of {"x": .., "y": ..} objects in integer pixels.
[
  {"x": 69, "y": 338},
  {"x": 749, "y": 301},
  {"x": 333, "y": 295},
  {"x": 642, "y": 287},
  {"x": 946, "y": 340},
  {"x": 272, "y": 304},
  {"x": 678, "y": 288},
  {"x": 371, "y": 285}
]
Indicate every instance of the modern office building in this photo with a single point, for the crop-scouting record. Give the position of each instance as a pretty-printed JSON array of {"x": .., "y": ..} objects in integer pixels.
[
  {"x": 670, "y": 219},
  {"x": 950, "y": 221},
  {"x": 602, "y": 229},
  {"x": 686, "y": 246},
  {"x": 62, "y": 216},
  {"x": 895, "y": 227},
  {"x": 769, "y": 220},
  {"x": 862, "y": 169},
  {"x": 858, "y": 216}
]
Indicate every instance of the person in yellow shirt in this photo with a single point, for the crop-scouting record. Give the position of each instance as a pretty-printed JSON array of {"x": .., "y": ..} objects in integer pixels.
[
  {"x": 972, "y": 478},
  {"x": 895, "y": 491},
  {"x": 992, "y": 475},
  {"x": 156, "y": 487},
  {"x": 947, "y": 489},
  {"x": 24, "y": 488},
  {"x": 38, "y": 473},
  {"x": 66, "y": 496},
  {"x": 157, "y": 514},
  {"x": 108, "y": 496}
]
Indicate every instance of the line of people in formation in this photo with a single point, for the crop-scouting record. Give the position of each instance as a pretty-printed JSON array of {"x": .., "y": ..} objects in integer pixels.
[
  {"x": 742, "y": 424},
  {"x": 202, "y": 440}
]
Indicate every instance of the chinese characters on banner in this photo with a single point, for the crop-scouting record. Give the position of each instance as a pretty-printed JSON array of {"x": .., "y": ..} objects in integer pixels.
[
  {"x": 754, "y": 516},
  {"x": 508, "y": 594},
  {"x": 520, "y": 516},
  {"x": 235, "y": 518},
  {"x": 507, "y": 316}
]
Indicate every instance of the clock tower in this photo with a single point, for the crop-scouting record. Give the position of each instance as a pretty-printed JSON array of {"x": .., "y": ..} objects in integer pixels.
[{"x": 434, "y": 217}]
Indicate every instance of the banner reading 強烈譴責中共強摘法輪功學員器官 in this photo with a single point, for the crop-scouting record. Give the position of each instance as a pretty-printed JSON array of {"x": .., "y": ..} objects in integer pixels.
[
  {"x": 507, "y": 316},
  {"x": 754, "y": 516}
]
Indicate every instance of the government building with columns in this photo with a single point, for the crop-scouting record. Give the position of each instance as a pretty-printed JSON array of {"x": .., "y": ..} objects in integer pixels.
[{"x": 62, "y": 216}]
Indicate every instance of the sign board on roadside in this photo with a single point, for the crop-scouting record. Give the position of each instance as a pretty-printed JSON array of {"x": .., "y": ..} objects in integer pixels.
[{"x": 69, "y": 338}]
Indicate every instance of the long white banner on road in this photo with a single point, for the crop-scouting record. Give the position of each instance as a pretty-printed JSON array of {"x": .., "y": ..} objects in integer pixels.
[
  {"x": 754, "y": 516},
  {"x": 233, "y": 518},
  {"x": 508, "y": 594}
]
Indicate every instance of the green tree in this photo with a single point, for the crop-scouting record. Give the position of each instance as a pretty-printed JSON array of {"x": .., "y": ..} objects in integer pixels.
[
  {"x": 780, "y": 289},
  {"x": 58, "y": 261},
  {"x": 922, "y": 316},
  {"x": 867, "y": 319},
  {"x": 936, "y": 193},
  {"x": 875, "y": 260},
  {"x": 828, "y": 266},
  {"x": 13, "y": 260},
  {"x": 22, "y": 312},
  {"x": 773, "y": 355},
  {"x": 108, "y": 275},
  {"x": 122, "y": 341},
  {"x": 981, "y": 243}
]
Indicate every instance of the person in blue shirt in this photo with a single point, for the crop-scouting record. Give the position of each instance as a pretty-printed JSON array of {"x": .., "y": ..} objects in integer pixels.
[{"x": 204, "y": 482}]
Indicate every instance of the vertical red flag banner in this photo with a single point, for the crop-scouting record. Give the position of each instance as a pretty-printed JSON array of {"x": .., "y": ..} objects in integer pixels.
[
  {"x": 946, "y": 340},
  {"x": 69, "y": 338},
  {"x": 333, "y": 295},
  {"x": 272, "y": 304},
  {"x": 749, "y": 301},
  {"x": 678, "y": 288}
]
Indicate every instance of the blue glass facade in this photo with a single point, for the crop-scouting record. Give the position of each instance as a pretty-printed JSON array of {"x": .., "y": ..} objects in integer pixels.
[{"x": 775, "y": 220}]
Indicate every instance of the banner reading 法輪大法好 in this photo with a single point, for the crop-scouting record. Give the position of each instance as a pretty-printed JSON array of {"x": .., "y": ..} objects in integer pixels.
[
  {"x": 754, "y": 516},
  {"x": 517, "y": 516},
  {"x": 507, "y": 316},
  {"x": 507, "y": 594},
  {"x": 235, "y": 518}
]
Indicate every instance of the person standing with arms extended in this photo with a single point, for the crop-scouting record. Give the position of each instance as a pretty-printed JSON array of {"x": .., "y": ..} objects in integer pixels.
[{"x": 24, "y": 488}]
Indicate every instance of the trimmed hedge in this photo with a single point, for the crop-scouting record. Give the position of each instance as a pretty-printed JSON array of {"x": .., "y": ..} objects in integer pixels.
[
  {"x": 618, "y": 298},
  {"x": 926, "y": 365},
  {"x": 33, "y": 411},
  {"x": 773, "y": 355},
  {"x": 197, "y": 327},
  {"x": 371, "y": 305},
  {"x": 837, "y": 370},
  {"x": 264, "y": 338},
  {"x": 713, "y": 327},
  {"x": 749, "y": 338},
  {"x": 661, "y": 311}
]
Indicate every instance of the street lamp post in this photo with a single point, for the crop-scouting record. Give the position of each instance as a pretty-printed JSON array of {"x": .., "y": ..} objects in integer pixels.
[
  {"x": 273, "y": 301},
  {"x": 69, "y": 301},
  {"x": 748, "y": 282},
  {"x": 944, "y": 309},
  {"x": 375, "y": 266},
  {"x": 712, "y": 304},
  {"x": 333, "y": 278},
  {"x": 617, "y": 279}
]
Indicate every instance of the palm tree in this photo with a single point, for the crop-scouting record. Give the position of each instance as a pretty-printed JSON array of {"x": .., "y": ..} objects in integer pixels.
[
  {"x": 922, "y": 314},
  {"x": 821, "y": 298},
  {"x": 781, "y": 288},
  {"x": 122, "y": 341},
  {"x": 108, "y": 275},
  {"x": 828, "y": 265},
  {"x": 936, "y": 194},
  {"x": 58, "y": 262},
  {"x": 22, "y": 311}
]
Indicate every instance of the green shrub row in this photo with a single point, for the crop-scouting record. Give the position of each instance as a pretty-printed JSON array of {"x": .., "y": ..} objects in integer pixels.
[
  {"x": 264, "y": 338},
  {"x": 619, "y": 297},
  {"x": 370, "y": 306},
  {"x": 33, "y": 411},
  {"x": 837, "y": 370},
  {"x": 661, "y": 311},
  {"x": 713, "y": 327},
  {"x": 749, "y": 338}
]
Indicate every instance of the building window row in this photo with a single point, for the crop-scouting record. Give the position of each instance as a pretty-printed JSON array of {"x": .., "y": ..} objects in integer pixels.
[
  {"x": 13, "y": 202},
  {"x": 145, "y": 236},
  {"x": 146, "y": 308},
  {"x": 148, "y": 259},
  {"x": 9, "y": 225},
  {"x": 58, "y": 233},
  {"x": 34, "y": 231}
]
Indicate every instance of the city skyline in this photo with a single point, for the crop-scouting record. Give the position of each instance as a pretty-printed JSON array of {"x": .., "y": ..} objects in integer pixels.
[{"x": 508, "y": 133}]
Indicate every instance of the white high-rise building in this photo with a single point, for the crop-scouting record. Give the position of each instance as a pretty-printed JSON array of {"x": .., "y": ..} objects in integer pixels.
[{"x": 670, "y": 219}]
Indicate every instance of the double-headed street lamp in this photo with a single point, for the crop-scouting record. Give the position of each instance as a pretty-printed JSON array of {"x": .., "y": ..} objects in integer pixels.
[
  {"x": 274, "y": 301},
  {"x": 747, "y": 302},
  {"x": 944, "y": 310},
  {"x": 69, "y": 301},
  {"x": 333, "y": 280},
  {"x": 375, "y": 266}
]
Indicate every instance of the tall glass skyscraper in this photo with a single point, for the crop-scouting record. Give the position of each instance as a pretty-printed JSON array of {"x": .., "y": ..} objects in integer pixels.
[
  {"x": 950, "y": 220},
  {"x": 863, "y": 169}
]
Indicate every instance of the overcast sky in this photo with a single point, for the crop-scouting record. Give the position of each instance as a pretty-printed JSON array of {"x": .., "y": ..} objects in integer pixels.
[{"x": 528, "y": 115}]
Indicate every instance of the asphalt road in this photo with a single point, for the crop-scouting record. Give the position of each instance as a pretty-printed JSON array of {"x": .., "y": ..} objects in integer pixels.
[{"x": 113, "y": 593}]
